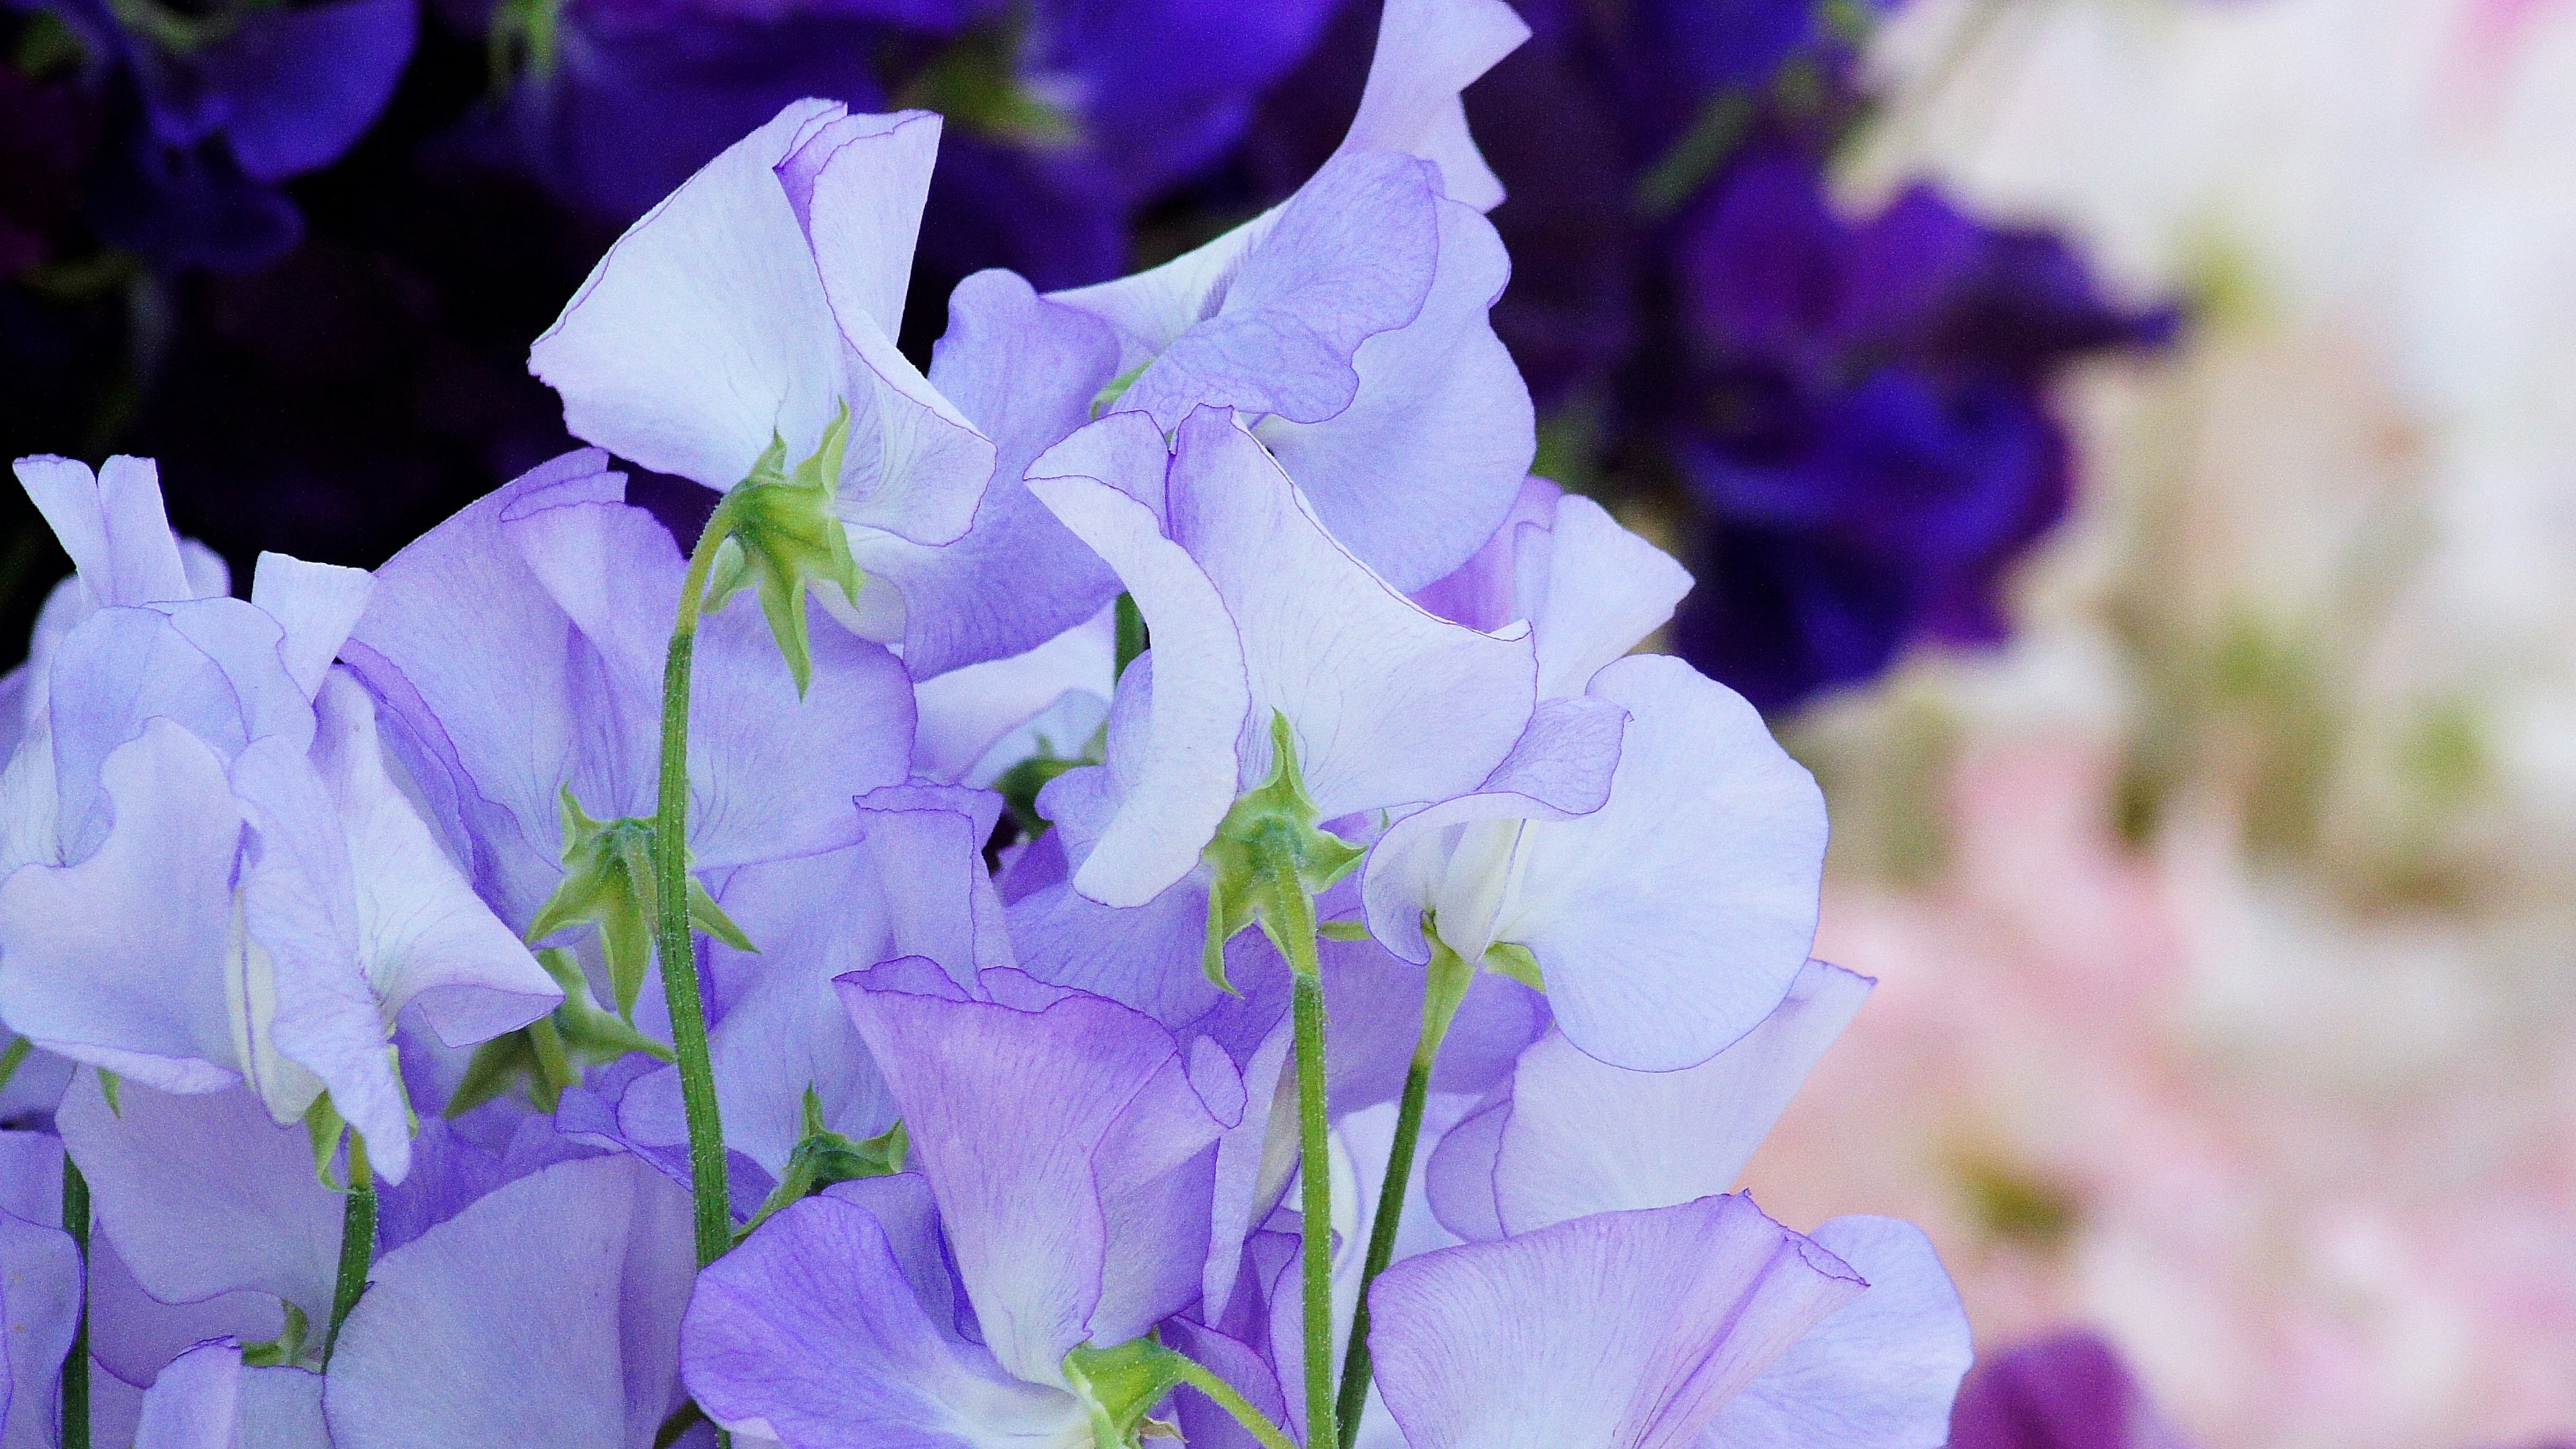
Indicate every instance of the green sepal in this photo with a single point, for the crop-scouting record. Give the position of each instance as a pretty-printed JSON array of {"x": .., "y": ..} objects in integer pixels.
[
  {"x": 325, "y": 1127},
  {"x": 1512, "y": 959},
  {"x": 823, "y": 1157},
  {"x": 705, "y": 915},
  {"x": 1132, "y": 638},
  {"x": 781, "y": 534},
  {"x": 548, "y": 1053},
  {"x": 1269, "y": 860},
  {"x": 287, "y": 1348},
  {"x": 108, "y": 1083},
  {"x": 1120, "y": 1386},
  {"x": 608, "y": 883},
  {"x": 1344, "y": 930}
]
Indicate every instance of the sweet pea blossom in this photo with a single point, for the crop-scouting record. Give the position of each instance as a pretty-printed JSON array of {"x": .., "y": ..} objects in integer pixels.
[
  {"x": 40, "y": 1285},
  {"x": 221, "y": 876},
  {"x": 1257, "y": 611},
  {"x": 1348, "y": 324},
  {"x": 1647, "y": 852}
]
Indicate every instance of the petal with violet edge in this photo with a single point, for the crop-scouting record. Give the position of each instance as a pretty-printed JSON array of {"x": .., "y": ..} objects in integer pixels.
[
  {"x": 813, "y": 1333},
  {"x": 205, "y": 1399},
  {"x": 1880, "y": 1372},
  {"x": 1632, "y": 1329},
  {"x": 112, "y": 524},
  {"x": 1427, "y": 52},
  {"x": 1672, "y": 920},
  {"x": 1573, "y": 1136}
]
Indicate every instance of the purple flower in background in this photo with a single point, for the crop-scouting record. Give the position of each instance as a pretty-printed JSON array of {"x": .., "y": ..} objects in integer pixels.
[
  {"x": 2070, "y": 1391},
  {"x": 209, "y": 113},
  {"x": 1861, "y": 423}
]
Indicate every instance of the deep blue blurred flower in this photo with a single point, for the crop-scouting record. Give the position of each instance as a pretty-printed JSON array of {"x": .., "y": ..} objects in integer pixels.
[
  {"x": 1857, "y": 410},
  {"x": 206, "y": 113}
]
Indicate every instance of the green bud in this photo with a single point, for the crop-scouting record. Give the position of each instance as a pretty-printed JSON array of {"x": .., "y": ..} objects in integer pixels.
[
  {"x": 1270, "y": 861},
  {"x": 549, "y": 1053},
  {"x": 823, "y": 1157},
  {"x": 781, "y": 533},
  {"x": 609, "y": 882}
]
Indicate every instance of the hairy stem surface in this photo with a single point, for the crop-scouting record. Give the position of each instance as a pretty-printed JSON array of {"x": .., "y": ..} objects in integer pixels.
[{"x": 712, "y": 1209}]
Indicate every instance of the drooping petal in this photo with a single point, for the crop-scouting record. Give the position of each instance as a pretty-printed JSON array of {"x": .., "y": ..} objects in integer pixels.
[
  {"x": 814, "y": 1333},
  {"x": 1060, "y": 1205},
  {"x": 1880, "y": 1372},
  {"x": 705, "y": 330},
  {"x": 547, "y": 1313},
  {"x": 1427, "y": 52},
  {"x": 205, "y": 1195},
  {"x": 1573, "y": 1136},
  {"x": 1106, "y": 484},
  {"x": 1624, "y": 1329},
  {"x": 120, "y": 960},
  {"x": 1671, "y": 920}
]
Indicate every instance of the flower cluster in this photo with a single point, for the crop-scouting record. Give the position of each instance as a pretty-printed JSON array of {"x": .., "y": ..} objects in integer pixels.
[{"x": 528, "y": 994}]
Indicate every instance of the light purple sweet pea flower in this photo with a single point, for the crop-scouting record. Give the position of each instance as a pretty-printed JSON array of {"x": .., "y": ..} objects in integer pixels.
[
  {"x": 1066, "y": 1152},
  {"x": 1348, "y": 324},
  {"x": 40, "y": 1287},
  {"x": 911, "y": 885},
  {"x": 1569, "y": 1138},
  {"x": 1666, "y": 919},
  {"x": 757, "y": 303},
  {"x": 236, "y": 885},
  {"x": 1636, "y": 1329},
  {"x": 1256, "y": 610}
]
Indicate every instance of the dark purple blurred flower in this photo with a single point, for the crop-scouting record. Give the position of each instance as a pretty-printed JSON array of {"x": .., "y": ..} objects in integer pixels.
[
  {"x": 1856, "y": 407},
  {"x": 48, "y": 127},
  {"x": 2066, "y": 1392},
  {"x": 207, "y": 114}
]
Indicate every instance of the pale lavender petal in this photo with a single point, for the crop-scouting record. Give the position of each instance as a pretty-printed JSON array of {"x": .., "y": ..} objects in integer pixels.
[
  {"x": 966, "y": 715},
  {"x": 1350, "y": 256},
  {"x": 1628, "y": 1329},
  {"x": 112, "y": 525},
  {"x": 205, "y": 1195},
  {"x": 1056, "y": 1203},
  {"x": 1582, "y": 1137},
  {"x": 1389, "y": 704},
  {"x": 1671, "y": 920},
  {"x": 112, "y": 674},
  {"x": 1107, "y": 484},
  {"x": 705, "y": 329},
  {"x": 205, "y": 1399},
  {"x": 424, "y": 937},
  {"x": 1880, "y": 1372},
  {"x": 132, "y": 1334},
  {"x": 812, "y": 1333},
  {"x": 1423, "y": 465},
  {"x": 1427, "y": 52},
  {"x": 548, "y": 1313},
  {"x": 315, "y": 605},
  {"x": 40, "y": 1296},
  {"x": 120, "y": 960},
  {"x": 1597, "y": 593}
]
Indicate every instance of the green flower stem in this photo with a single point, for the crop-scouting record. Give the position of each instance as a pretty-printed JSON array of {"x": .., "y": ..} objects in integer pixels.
[
  {"x": 1447, "y": 986},
  {"x": 1199, "y": 1376},
  {"x": 357, "y": 1240},
  {"x": 713, "y": 1216},
  {"x": 1288, "y": 914},
  {"x": 75, "y": 1420}
]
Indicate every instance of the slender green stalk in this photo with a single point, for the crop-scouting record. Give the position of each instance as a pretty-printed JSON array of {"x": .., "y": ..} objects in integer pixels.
[
  {"x": 713, "y": 1215},
  {"x": 1289, "y": 917},
  {"x": 1199, "y": 1376},
  {"x": 1445, "y": 987},
  {"x": 75, "y": 1419},
  {"x": 357, "y": 1240}
]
